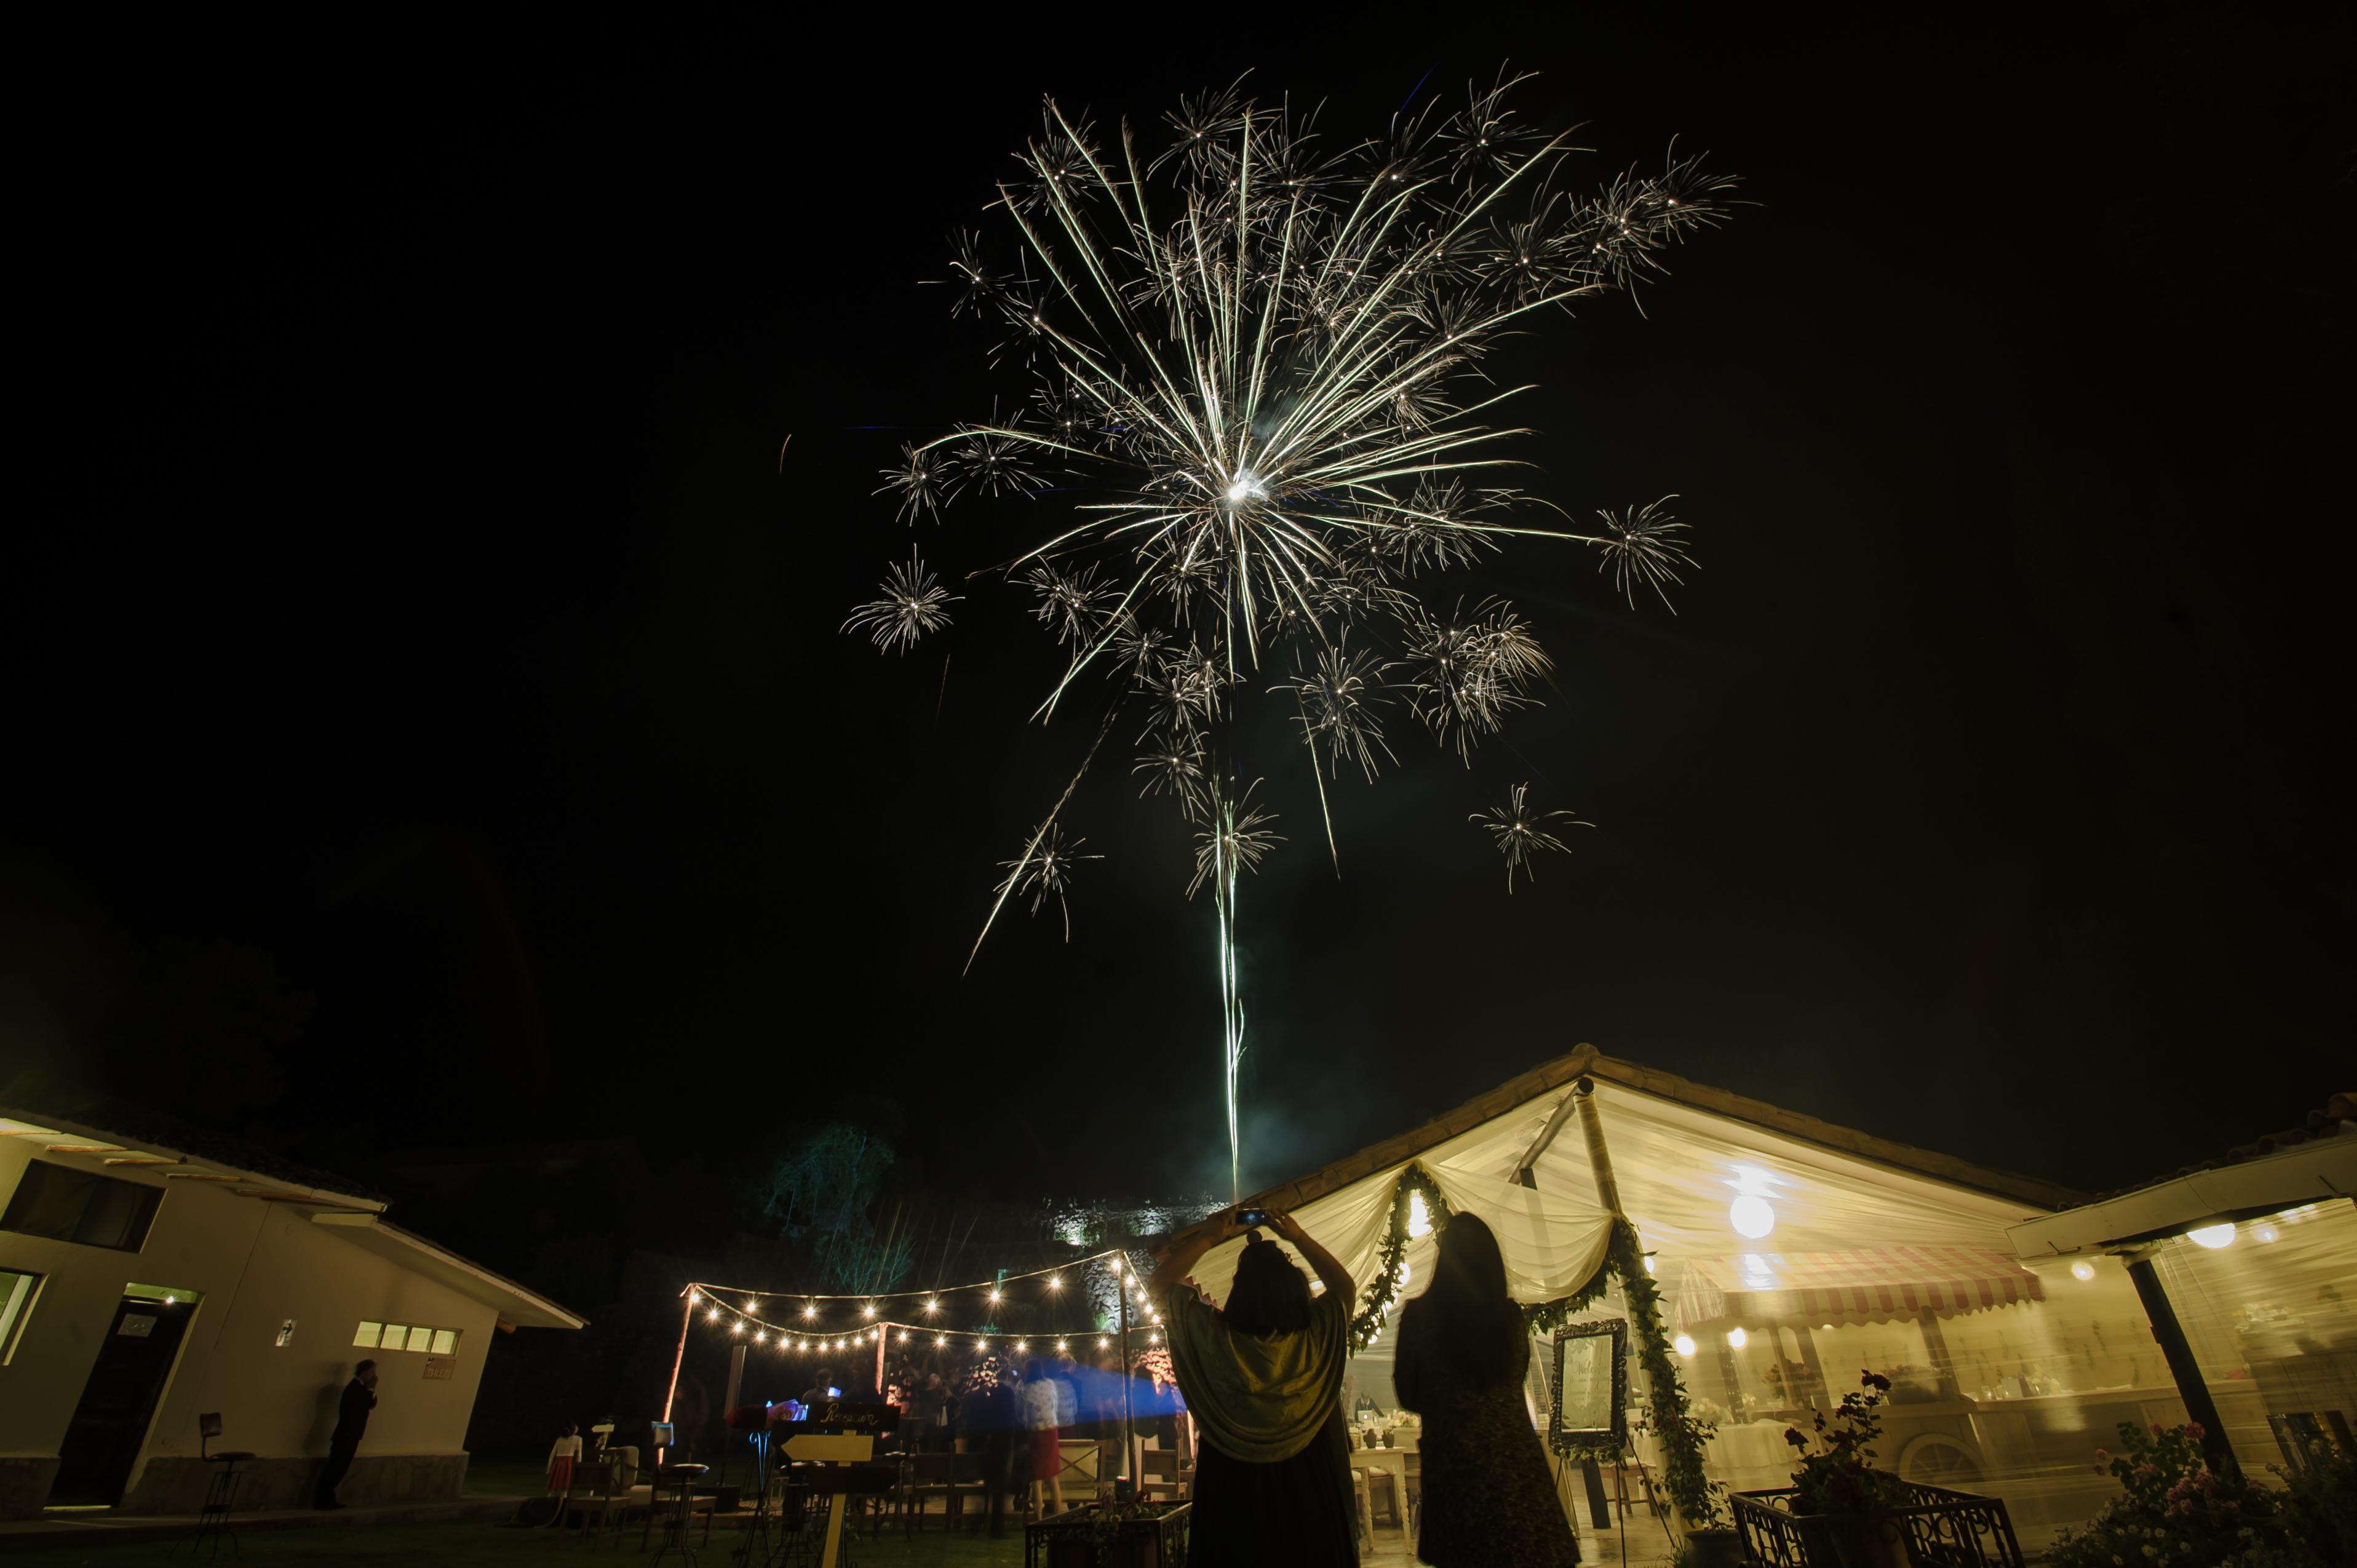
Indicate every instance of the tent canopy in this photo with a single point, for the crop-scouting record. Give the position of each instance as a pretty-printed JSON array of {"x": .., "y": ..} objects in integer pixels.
[{"x": 1682, "y": 1154}]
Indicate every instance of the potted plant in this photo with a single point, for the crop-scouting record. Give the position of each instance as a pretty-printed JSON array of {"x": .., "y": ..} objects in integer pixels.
[
  {"x": 1843, "y": 1499},
  {"x": 1111, "y": 1535}
]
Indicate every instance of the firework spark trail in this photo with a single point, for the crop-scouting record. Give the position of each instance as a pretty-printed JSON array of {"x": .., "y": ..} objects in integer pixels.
[{"x": 1253, "y": 361}]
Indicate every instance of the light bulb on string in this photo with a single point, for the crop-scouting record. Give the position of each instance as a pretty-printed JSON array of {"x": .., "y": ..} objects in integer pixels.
[
  {"x": 1683, "y": 1345},
  {"x": 809, "y": 1309},
  {"x": 868, "y": 1311},
  {"x": 758, "y": 1336},
  {"x": 932, "y": 1304},
  {"x": 1736, "y": 1338},
  {"x": 1061, "y": 1346},
  {"x": 738, "y": 1327},
  {"x": 713, "y": 1315},
  {"x": 1102, "y": 1342},
  {"x": 1055, "y": 1281},
  {"x": 940, "y": 1340}
]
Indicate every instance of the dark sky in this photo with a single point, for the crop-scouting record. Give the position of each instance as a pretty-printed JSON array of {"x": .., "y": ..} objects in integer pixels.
[{"x": 402, "y": 586}]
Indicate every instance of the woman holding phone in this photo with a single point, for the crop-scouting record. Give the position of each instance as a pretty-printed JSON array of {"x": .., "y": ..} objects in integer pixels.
[{"x": 1262, "y": 1378}]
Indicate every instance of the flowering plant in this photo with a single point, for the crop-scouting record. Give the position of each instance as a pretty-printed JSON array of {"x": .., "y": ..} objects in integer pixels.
[
  {"x": 1837, "y": 1474},
  {"x": 2174, "y": 1509}
]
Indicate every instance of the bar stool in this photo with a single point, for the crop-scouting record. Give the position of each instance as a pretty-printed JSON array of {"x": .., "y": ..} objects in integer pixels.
[
  {"x": 683, "y": 1510},
  {"x": 221, "y": 1489}
]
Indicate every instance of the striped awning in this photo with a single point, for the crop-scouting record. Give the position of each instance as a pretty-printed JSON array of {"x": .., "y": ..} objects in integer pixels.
[{"x": 1876, "y": 1285}]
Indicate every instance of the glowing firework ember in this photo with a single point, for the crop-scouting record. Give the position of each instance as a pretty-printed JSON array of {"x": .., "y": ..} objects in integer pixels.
[
  {"x": 1251, "y": 367},
  {"x": 1521, "y": 832}
]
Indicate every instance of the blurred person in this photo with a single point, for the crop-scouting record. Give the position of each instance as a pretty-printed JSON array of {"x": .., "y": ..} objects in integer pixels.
[
  {"x": 1046, "y": 1455},
  {"x": 1261, "y": 1378},
  {"x": 1488, "y": 1500}
]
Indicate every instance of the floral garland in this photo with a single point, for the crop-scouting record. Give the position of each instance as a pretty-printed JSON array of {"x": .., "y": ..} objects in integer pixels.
[
  {"x": 1383, "y": 1291},
  {"x": 1673, "y": 1424}
]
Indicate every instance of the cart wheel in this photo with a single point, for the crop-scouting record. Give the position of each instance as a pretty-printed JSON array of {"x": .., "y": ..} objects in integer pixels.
[{"x": 1935, "y": 1459}]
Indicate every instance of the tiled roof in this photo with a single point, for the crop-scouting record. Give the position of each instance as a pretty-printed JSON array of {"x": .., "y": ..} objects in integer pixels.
[
  {"x": 121, "y": 1124},
  {"x": 2336, "y": 1119}
]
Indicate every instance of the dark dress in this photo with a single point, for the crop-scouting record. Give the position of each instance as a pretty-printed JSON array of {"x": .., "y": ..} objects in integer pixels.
[
  {"x": 1296, "y": 1513},
  {"x": 1489, "y": 1501}
]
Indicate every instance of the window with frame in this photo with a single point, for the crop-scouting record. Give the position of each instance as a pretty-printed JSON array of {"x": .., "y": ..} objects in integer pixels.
[
  {"x": 61, "y": 1203},
  {"x": 17, "y": 1293},
  {"x": 418, "y": 1337}
]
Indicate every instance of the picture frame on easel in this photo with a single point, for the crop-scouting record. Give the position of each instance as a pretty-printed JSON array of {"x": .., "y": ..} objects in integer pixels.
[{"x": 1588, "y": 1397}]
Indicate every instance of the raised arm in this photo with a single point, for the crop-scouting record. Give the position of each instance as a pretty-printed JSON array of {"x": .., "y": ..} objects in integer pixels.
[
  {"x": 1177, "y": 1261},
  {"x": 1328, "y": 1269}
]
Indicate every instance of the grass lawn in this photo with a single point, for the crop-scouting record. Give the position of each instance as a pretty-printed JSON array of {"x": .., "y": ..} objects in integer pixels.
[{"x": 477, "y": 1543}]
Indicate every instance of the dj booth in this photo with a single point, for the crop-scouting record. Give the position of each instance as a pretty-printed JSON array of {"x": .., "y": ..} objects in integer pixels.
[{"x": 810, "y": 1471}]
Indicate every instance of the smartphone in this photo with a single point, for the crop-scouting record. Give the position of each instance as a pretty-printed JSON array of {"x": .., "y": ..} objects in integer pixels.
[{"x": 1248, "y": 1218}]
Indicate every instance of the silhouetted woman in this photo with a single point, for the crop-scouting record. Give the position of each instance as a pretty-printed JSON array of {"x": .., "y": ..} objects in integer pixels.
[
  {"x": 1489, "y": 1501},
  {"x": 1263, "y": 1380}
]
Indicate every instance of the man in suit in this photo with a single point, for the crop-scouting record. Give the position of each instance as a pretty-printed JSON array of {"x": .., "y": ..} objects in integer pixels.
[{"x": 352, "y": 1420}]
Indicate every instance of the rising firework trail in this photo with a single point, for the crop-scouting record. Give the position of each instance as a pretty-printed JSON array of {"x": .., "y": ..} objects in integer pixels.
[{"x": 1248, "y": 363}]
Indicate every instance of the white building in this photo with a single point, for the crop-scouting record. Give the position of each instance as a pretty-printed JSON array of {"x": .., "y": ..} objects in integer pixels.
[{"x": 142, "y": 1285}]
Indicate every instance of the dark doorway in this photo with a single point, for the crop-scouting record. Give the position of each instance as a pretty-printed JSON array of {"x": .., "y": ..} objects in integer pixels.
[{"x": 119, "y": 1400}]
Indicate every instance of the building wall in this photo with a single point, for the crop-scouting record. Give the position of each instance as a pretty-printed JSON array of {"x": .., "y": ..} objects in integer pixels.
[{"x": 257, "y": 1264}]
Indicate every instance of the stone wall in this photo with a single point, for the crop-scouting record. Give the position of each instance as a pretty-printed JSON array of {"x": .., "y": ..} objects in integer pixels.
[
  {"x": 25, "y": 1480},
  {"x": 176, "y": 1485}
]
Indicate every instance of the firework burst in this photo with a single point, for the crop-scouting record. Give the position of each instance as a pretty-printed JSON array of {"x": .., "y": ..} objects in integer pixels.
[
  {"x": 1521, "y": 832},
  {"x": 1253, "y": 363},
  {"x": 910, "y": 606}
]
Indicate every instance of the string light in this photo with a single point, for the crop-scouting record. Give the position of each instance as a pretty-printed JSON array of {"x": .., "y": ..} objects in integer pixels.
[
  {"x": 1102, "y": 1342},
  {"x": 940, "y": 1340},
  {"x": 758, "y": 1336},
  {"x": 811, "y": 1310},
  {"x": 1061, "y": 1346},
  {"x": 713, "y": 1315},
  {"x": 693, "y": 1295},
  {"x": 932, "y": 1307},
  {"x": 1055, "y": 1281},
  {"x": 736, "y": 1328},
  {"x": 1023, "y": 1346},
  {"x": 868, "y": 1311}
]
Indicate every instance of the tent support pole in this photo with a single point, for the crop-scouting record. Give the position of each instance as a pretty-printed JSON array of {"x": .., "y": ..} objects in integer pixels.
[
  {"x": 687, "y": 1315},
  {"x": 2171, "y": 1336},
  {"x": 1600, "y": 1159},
  {"x": 1526, "y": 1168}
]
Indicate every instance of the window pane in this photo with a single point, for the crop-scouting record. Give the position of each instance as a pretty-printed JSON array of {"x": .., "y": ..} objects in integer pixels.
[
  {"x": 49, "y": 1202},
  {"x": 67, "y": 1205},
  {"x": 395, "y": 1336},
  {"x": 368, "y": 1334},
  {"x": 419, "y": 1338},
  {"x": 446, "y": 1341}
]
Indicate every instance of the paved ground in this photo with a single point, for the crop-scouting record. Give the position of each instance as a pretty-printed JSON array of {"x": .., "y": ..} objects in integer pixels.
[{"x": 470, "y": 1535}]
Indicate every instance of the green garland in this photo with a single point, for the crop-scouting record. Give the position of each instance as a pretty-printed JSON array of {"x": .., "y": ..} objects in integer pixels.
[
  {"x": 1696, "y": 1496},
  {"x": 1376, "y": 1303}
]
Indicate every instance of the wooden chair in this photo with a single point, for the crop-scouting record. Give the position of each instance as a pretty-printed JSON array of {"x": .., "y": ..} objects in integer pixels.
[
  {"x": 953, "y": 1476},
  {"x": 1158, "y": 1476},
  {"x": 597, "y": 1492},
  {"x": 1415, "y": 1494},
  {"x": 1384, "y": 1498}
]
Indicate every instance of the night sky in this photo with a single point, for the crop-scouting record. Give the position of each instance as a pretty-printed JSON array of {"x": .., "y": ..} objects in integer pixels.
[{"x": 405, "y": 607}]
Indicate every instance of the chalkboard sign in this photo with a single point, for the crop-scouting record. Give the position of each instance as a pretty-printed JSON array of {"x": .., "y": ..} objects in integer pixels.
[
  {"x": 1590, "y": 1396},
  {"x": 842, "y": 1415}
]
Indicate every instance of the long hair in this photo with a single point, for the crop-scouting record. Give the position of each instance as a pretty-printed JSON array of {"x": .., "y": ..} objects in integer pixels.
[
  {"x": 1270, "y": 1295},
  {"x": 1477, "y": 1327}
]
